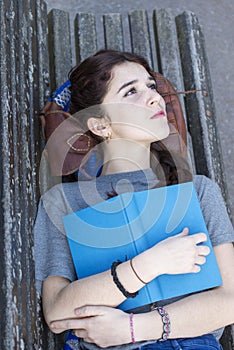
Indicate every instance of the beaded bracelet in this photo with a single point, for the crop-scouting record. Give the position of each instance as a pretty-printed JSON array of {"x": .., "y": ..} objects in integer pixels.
[
  {"x": 166, "y": 323},
  {"x": 131, "y": 328},
  {"x": 118, "y": 283}
]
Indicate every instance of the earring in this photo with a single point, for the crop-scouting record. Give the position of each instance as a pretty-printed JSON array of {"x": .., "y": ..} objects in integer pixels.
[{"x": 108, "y": 137}]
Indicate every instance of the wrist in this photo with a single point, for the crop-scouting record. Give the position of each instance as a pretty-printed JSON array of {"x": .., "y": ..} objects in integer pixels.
[
  {"x": 147, "y": 265},
  {"x": 147, "y": 326}
]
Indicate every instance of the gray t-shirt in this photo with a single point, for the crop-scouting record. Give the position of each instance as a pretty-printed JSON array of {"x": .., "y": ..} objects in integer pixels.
[{"x": 52, "y": 254}]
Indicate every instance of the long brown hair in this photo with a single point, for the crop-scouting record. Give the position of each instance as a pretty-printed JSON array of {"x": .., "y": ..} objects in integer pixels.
[{"x": 89, "y": 85}]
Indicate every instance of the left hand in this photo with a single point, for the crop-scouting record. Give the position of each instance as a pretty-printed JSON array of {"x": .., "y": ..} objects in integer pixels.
[{"x": 102, "y": 325}]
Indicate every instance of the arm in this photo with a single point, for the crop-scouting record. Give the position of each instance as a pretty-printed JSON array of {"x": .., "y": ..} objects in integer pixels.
[
  {"x": 61, "y": 297},
  {"x": 195, "y": 315}
]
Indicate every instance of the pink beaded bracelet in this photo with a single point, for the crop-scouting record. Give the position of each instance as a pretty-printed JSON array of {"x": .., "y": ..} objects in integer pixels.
[{"x": 131, "y": 327}]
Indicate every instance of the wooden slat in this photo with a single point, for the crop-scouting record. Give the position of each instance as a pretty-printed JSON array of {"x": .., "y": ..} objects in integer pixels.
[
  {"x": 59, "y": 47},
  {"x": 169, "y": 60},
  {"x": 21, "y": 90},
  {"x": 167, "y": 44},
  {"x": 5, "y": 143},
  {"x": 227, "y": 339},
  {"x": 43, "y": 338},
  {"x": 200, "y": 108},
  {"x": 85, "y": 35},
  {"x": 60, "y": 57},
  {"x": 113, "y": 31},
  {"x": 140, "y": 36},
  {"x": 43, "y": 91}
]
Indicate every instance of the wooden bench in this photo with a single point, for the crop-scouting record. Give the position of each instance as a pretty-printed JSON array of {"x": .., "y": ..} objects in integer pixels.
[{"x": 32, "y": 66}]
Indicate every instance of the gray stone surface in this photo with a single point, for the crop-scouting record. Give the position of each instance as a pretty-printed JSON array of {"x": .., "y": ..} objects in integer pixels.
[{"x": 217, "y": 21}]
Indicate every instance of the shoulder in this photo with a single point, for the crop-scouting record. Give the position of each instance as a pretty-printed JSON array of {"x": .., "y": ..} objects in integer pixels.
[
  {"x": 205, "y": 187},
  {"x": 214, "y": 210},
  {"x": 73, "y": 196},
  {"x": 209, "y": 195},
  {"x": 59, "y": 196},
  {"x": 59, "y": 191}
]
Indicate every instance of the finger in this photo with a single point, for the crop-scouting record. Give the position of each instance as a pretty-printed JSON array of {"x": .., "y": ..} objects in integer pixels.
[
  {"x": 200, "y": 260},
  {"x": 196, "y": 269},
  {"x": 184, "y": 232},
  {"x": 80, "y": 333},
  {"x": 89, "y": 310},
  {"x": 71, "y": 323},
  {"x": 203, "y": 250},
  {"x": 88, "y": 340},
  {"x": 199, "y": 237}
]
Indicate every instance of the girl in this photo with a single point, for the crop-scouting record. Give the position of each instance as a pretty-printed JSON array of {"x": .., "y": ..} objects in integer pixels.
[{"x": 133, "y": 115}]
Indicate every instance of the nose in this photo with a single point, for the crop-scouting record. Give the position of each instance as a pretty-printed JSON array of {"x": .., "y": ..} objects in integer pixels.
[{"x": 153, "y": 99}]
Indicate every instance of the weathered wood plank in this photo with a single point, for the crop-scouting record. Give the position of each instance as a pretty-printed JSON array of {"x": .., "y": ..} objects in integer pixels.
[
  {"x": 140, "y": 36},
  {"x": 200, "y": 108},
  {"x": 169, "y": 59},
  {"x": 59, "y": 47},
  {"x": 113, "y": 31},
  {"x": 85, "y": 35},
  {"x": 227, "y": 339},
  {"x": 21, "y": 85}
]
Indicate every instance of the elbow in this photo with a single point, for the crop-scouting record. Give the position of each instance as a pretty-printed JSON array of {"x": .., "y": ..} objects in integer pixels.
[
  {"x": 50, "y": 314},
  {"x": 52, "y": 303},
  {"x": 49, "y": 318}
]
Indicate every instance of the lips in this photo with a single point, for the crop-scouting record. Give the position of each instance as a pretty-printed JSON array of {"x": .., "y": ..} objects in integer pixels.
[{"x": 159, "y": 114}]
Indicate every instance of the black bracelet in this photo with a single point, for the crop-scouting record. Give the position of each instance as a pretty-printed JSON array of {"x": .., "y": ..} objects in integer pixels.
[{"x": 117, "y": 282}]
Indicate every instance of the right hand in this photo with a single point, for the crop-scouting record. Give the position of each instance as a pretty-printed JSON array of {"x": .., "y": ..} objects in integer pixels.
[{"x": 181, "y": 253}]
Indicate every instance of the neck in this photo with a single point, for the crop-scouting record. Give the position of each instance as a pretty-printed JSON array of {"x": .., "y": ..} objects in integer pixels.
[{"x": 122, "y": 155}]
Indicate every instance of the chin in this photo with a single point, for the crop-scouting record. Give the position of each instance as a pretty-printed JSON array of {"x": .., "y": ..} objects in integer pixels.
[{"x": 163, "y": 134}]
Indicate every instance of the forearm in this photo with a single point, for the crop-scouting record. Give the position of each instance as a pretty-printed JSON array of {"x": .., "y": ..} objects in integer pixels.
[
  {"x": 61, "y": 298},
  {"x": 193, "y": 316},
  {"x": 201, "y": 314}
]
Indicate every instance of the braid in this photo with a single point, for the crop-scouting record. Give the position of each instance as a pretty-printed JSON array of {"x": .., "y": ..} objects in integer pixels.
[{"x": 172, "y": 169}]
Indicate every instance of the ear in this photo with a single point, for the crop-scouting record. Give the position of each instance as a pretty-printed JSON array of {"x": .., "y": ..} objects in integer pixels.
[{"x": 98, "y": 126}]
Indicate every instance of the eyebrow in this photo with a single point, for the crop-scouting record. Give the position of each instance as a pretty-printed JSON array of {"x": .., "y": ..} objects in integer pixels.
[{"x": 132, "y": 82}]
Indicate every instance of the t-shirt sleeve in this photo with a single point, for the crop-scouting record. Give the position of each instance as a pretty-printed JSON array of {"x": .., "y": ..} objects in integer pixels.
[
  {"x": 51, "y": 250},
  {"x": 214, "y": 211}
]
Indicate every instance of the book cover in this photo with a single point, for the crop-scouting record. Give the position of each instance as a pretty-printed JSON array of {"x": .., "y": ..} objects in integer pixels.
[{"x": 124, "y": 226}]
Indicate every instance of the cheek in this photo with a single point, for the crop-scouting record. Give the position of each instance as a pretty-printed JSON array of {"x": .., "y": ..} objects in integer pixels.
[{"x": 125, "y": 112}]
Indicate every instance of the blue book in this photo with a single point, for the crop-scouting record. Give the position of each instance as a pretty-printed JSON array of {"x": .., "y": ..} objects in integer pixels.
[{"x": 128, "y": 224}]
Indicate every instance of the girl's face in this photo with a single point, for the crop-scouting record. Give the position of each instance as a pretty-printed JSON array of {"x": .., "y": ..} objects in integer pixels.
[{"x": 133, "y": 105}]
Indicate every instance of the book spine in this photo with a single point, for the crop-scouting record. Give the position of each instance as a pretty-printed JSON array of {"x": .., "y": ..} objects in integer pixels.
[{"x": 132, "y": 213}]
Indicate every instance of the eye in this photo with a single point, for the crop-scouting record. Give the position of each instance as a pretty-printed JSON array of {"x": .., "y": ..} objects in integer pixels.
[
  {"x": 130, "y": 92},
  {"x": 153, "y": 86}
]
